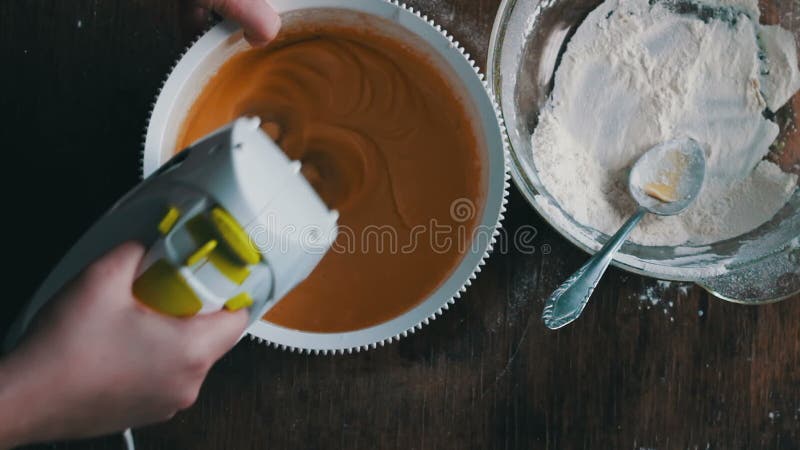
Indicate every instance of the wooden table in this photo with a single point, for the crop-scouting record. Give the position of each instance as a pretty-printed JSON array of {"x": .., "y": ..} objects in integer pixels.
[{"x": 688, "y": 371}]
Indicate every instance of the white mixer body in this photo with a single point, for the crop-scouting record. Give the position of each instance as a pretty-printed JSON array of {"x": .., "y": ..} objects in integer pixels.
[{"x": 229, "y": 223}]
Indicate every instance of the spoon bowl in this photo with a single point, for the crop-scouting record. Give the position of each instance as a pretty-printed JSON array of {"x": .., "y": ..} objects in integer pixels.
[{"x": 677, "y": 166}]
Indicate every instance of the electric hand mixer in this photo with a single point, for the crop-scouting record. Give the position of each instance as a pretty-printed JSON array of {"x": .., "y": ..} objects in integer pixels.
[{"x": 229, "y": 223}]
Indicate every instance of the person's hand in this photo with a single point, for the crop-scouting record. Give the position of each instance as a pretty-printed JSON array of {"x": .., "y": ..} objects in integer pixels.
[
  {"x": 257, "y": 17},
  {"x": 98, "y": 361}
]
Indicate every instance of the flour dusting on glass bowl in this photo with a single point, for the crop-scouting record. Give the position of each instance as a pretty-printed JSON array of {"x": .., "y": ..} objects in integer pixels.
[{"x": 581, "y": 97}]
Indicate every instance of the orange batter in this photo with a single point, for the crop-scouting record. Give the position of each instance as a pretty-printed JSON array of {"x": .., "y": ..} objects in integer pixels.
[{"x": 383, "y": 139}]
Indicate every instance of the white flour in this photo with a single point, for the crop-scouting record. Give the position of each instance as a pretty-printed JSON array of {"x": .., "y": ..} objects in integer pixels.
[{"x": 635, "y": 75}]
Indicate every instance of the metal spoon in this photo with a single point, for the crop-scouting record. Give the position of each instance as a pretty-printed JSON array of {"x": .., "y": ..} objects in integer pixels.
[{"x": 664, "y": 181}]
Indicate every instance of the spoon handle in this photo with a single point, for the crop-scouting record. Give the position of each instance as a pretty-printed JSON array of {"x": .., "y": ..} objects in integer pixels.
[{"x": 568, "y": 301}]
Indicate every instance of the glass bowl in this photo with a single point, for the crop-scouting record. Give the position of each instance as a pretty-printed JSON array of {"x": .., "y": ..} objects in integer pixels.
[{"x": 760, "y": 266}]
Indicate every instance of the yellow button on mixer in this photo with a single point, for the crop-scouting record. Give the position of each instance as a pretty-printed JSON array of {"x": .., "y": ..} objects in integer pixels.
[
  {"x": 239, "y": 301},
  {"x": 163, "y": 288},
  {"x": 234, "y": 236},
  {"x": 228, "y": 264},
  {"x": 169, "y": 220},
  {"x": 201, "y": 253}
]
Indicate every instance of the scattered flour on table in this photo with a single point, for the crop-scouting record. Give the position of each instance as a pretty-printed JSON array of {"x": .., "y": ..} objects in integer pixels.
[
  {"x": 655, "y": 296},
  {"x": 636, "y": 74}
]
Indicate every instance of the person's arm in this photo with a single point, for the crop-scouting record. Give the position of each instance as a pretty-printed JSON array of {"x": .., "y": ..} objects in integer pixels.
[
  {"x": 16, "y": 396},
  {"x": 98, "y": 361}
]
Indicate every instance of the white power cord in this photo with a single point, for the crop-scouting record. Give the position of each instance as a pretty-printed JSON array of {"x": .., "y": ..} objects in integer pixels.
[{"x": 128, "y": 436}]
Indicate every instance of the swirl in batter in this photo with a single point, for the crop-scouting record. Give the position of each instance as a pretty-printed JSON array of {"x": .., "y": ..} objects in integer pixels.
[{"x": 384, "y": 139}]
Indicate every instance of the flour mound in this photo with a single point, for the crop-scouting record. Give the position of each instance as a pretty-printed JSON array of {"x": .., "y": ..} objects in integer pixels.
[{"x": 635, "y": 75}]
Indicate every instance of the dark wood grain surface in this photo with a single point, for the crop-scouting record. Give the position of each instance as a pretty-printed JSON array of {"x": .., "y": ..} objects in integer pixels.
[{"x": 649, "y": 365}]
